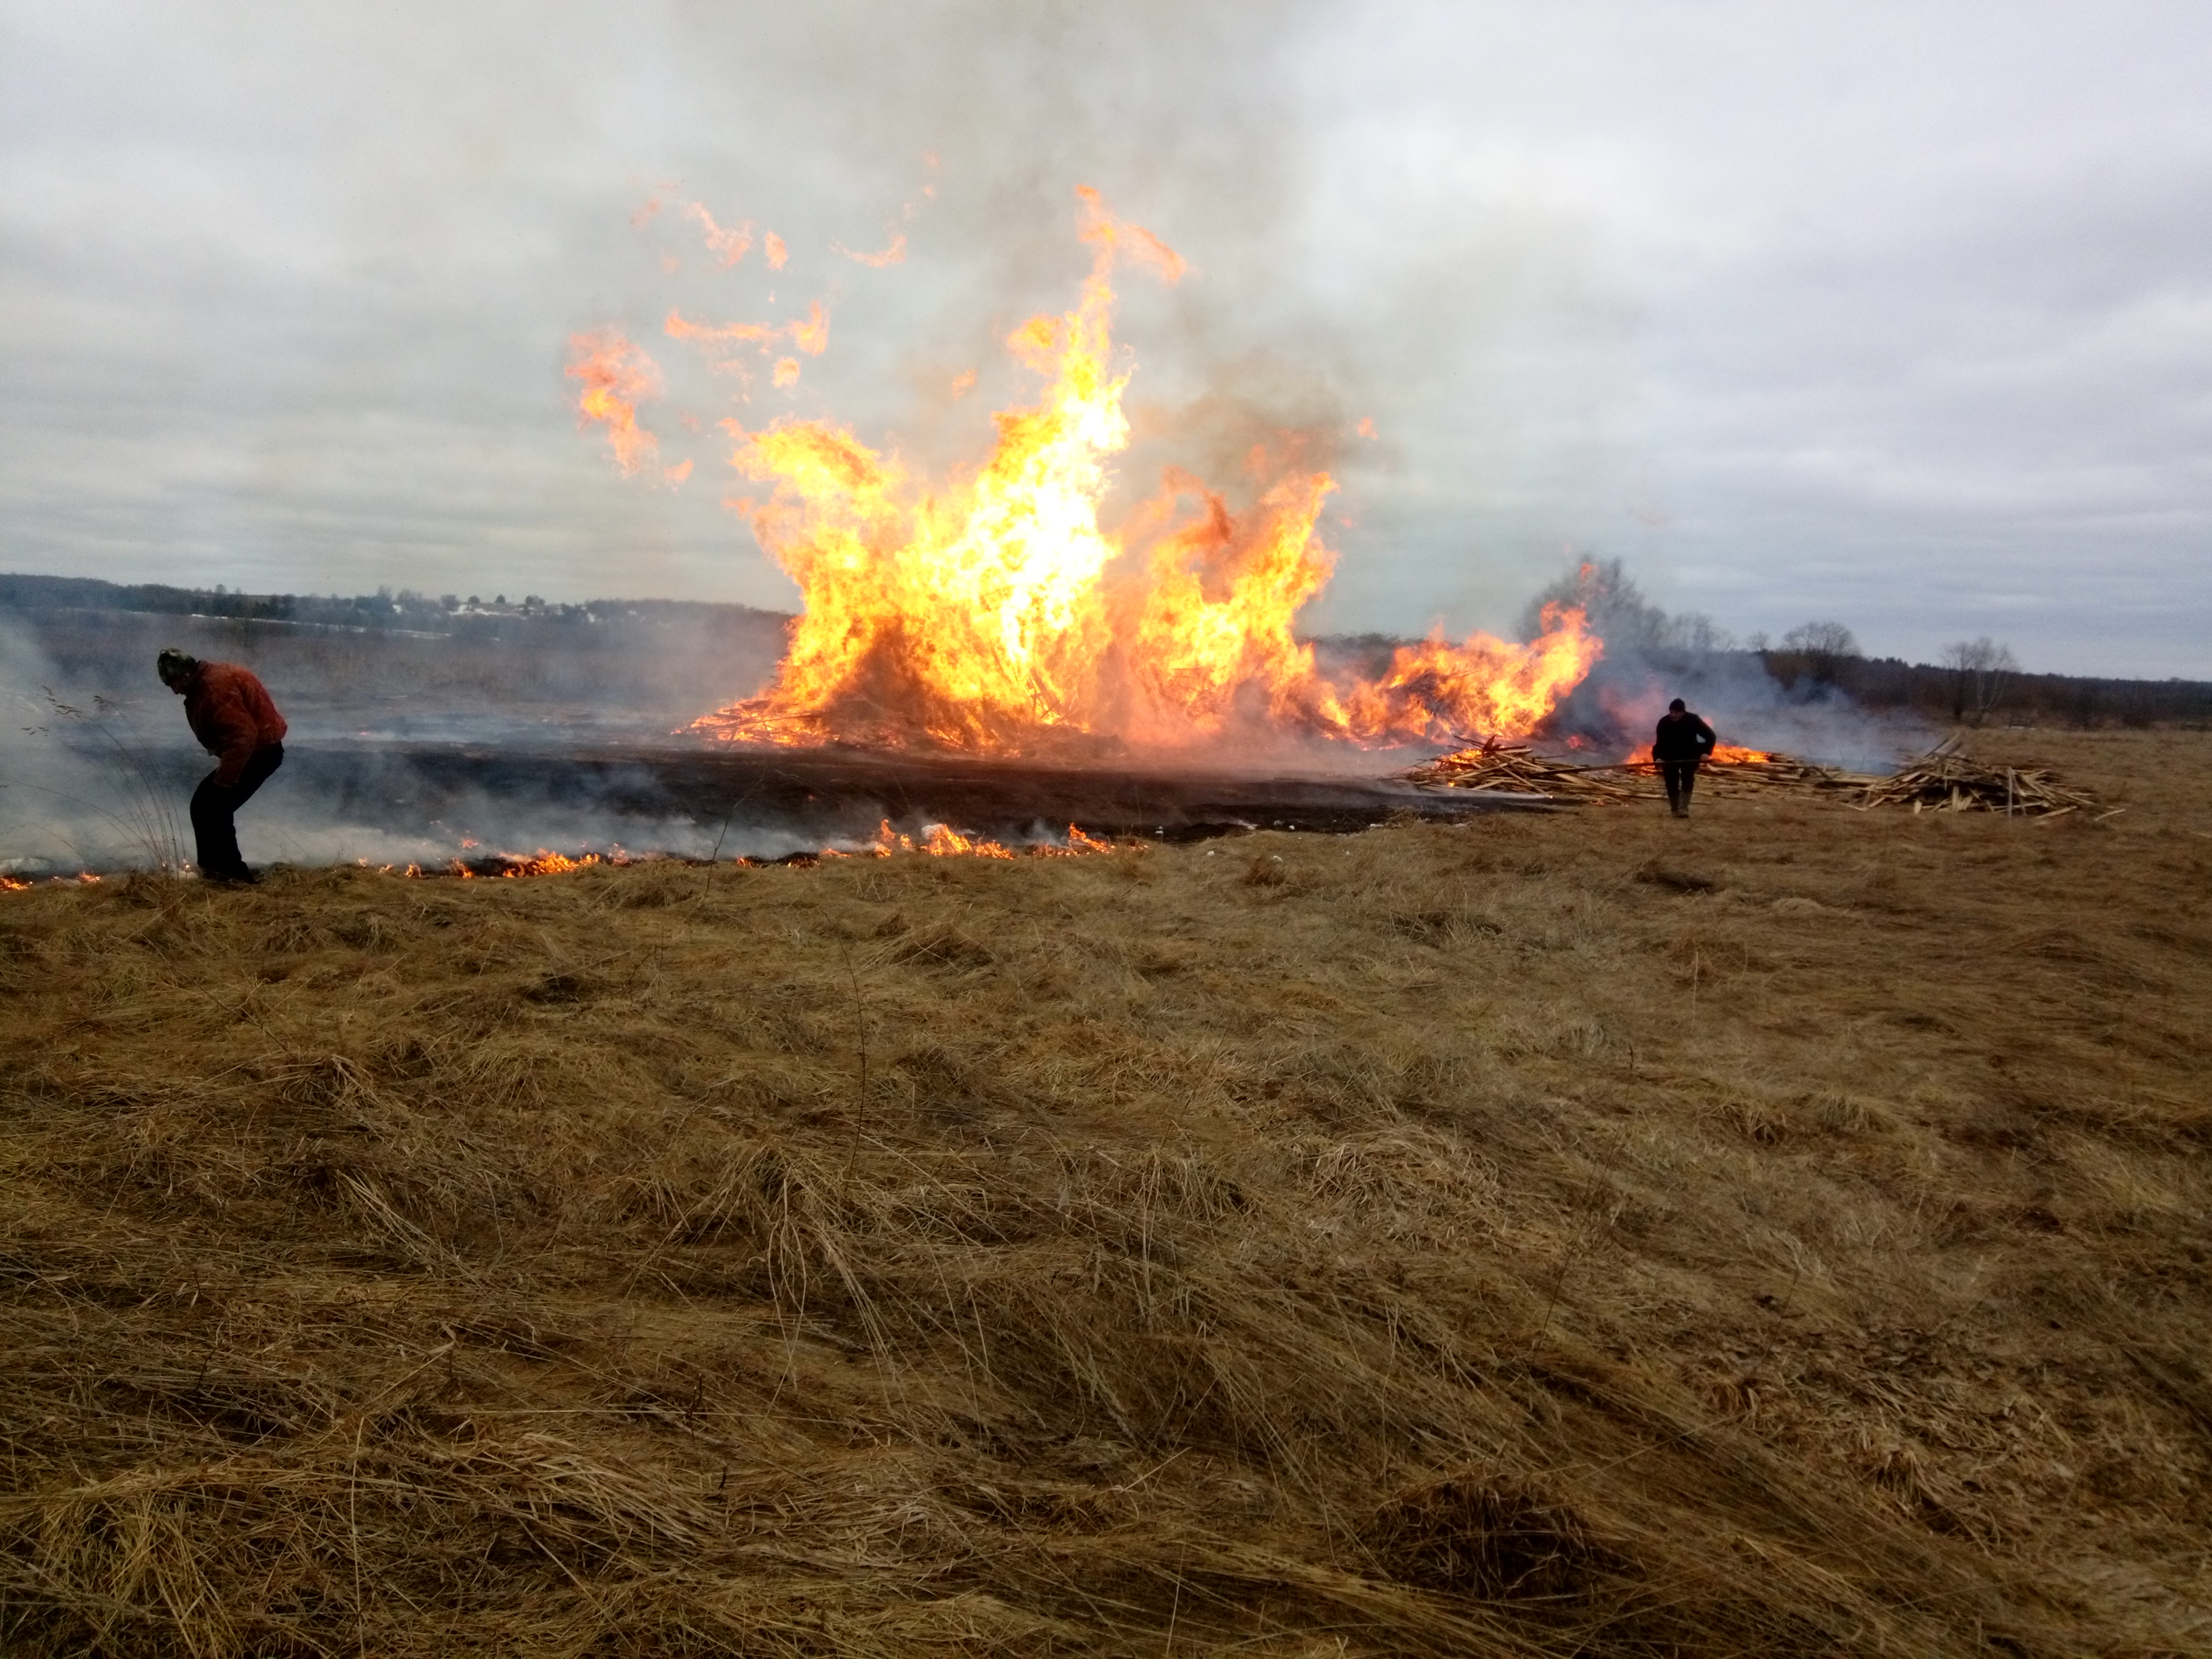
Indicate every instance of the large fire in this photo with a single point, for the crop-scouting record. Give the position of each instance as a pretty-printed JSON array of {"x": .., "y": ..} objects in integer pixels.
[{"x": 995, "y": 614}]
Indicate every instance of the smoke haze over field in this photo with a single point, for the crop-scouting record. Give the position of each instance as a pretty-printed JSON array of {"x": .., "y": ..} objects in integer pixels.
[{"x": 1893, "y": 313}]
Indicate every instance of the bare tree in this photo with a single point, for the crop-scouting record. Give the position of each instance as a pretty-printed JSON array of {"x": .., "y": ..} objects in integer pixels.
[
  {"x": 1980, "y": 669},
  {"x": 1619, "y": 614},
  {"x": 1820, "y": 649}
]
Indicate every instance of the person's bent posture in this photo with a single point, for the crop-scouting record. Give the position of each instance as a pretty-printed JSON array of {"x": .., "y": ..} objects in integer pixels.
[
  {"x": 1683, "y": 741},
  {"x": 230, "y": 713}
]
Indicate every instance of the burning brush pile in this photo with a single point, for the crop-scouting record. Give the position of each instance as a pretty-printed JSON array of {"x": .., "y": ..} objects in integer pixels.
[{"x": 995, "y": 613}]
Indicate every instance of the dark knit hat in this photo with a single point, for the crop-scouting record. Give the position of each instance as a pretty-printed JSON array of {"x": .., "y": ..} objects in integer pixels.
[{"x": 173, "y": 664}]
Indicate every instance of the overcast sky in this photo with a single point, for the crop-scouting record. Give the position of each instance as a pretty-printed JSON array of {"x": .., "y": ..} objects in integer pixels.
[{"x": 1899, "y": 314}]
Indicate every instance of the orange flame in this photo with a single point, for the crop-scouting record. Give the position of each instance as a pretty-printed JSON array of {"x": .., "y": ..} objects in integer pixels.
[
  {"x": 992, "y": 615},
  {"x": 895, "y": 254},
  {"x": 773, "y": 245},
  {"x": 616, "y": 378},
  {"x": 812, "y": 336},
  {"x": 23, "y": 884},
  {"x": 729, "y": 245},
  {"x": 943, "y": 841},
  {"x": 809, "y": 334},
  {"x": 1079, "y": 845},
  {"x": 545, "y": 863},
  {"x": 937, "y": 841},
  {"x": 679, "y": 328},
  {"x": 1722, "y": 754}
]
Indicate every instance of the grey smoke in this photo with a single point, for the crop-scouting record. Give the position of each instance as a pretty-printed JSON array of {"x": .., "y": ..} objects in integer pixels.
[
  {"x": 87, "y": 782},
  {"x": 97, "y": 762},
  {"x": 1652, "y": 656}
]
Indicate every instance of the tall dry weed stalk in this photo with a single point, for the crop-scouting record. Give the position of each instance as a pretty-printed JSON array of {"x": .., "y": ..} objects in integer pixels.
[{"x": 142, "y": 811}]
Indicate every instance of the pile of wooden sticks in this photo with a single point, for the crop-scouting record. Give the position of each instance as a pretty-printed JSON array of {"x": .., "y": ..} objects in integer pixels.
[
  {"x": 1516, "y": 770},
  {"x": 1944, "y": 780},
  {"x": 1941, "y": 781}
]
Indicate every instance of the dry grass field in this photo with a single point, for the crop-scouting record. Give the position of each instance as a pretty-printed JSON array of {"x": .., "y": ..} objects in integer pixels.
[{"x": 1782, "y": 1232}]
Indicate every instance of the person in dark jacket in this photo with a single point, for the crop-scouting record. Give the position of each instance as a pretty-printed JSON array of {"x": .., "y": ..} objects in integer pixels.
[
  {"x": 1684, "y": 740},
  {"x": 229, "y": 712}
]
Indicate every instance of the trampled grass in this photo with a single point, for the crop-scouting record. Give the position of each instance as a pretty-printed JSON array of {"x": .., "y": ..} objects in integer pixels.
[{"x": 1781, "y": 1232}]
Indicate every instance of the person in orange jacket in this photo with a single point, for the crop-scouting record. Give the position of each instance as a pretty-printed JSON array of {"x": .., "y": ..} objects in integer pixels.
[{"x": 229, "y": 712}]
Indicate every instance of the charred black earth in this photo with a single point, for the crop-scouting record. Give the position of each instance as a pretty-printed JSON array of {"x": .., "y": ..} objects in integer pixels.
[{"x": 824, "y": 795}]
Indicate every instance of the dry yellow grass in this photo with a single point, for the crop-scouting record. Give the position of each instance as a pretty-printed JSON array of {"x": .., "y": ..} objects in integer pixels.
[{"x": 1780, "y": 1232}]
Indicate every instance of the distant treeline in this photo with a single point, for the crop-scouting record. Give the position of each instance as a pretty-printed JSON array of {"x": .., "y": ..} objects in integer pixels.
[
  {"x": 384, "y": 611},
  {"x": 1973, "y": 696},
  {"x": 592, "y": 636},
  {"x": 672, "y": 658},
  {"x": 1945, "y": 694}
]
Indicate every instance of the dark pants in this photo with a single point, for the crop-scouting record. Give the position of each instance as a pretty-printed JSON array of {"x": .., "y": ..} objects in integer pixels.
[
  {"x": 1681, "y": 777},
  {"x": 213, "y": 804}
]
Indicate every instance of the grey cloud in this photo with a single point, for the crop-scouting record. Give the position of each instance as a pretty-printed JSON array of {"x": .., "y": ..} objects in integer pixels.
[{"x": 1893, "y": 313}]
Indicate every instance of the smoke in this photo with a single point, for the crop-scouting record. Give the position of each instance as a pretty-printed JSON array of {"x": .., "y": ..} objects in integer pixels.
[
  {"x": 1652, "y": 657},
  {"x": 422, "y": 750},
  {"x": 394, "y": 807},
  {"x": 97, "y": 764},
  {"x": 358, "y": 300},
  {"x": 1745, "y": 706},
  {"x": 85, "y": 783}
]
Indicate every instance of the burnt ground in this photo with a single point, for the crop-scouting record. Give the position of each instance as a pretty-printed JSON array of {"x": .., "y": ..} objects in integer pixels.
[{"x": 830, "y": 794}]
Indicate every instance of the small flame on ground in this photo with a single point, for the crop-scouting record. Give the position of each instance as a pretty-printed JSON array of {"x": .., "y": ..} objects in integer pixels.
[
  {"x": 937, "y": 841},
  {"x": 25, "y": 883},
  {"x": 1722, "y": 754},
  {"x": 943, "y": 841},
  {"x": 543, "y": 862}
]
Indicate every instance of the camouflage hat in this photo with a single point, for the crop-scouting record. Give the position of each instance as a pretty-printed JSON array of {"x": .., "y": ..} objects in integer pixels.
[{"x": 173, "y": 664}]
